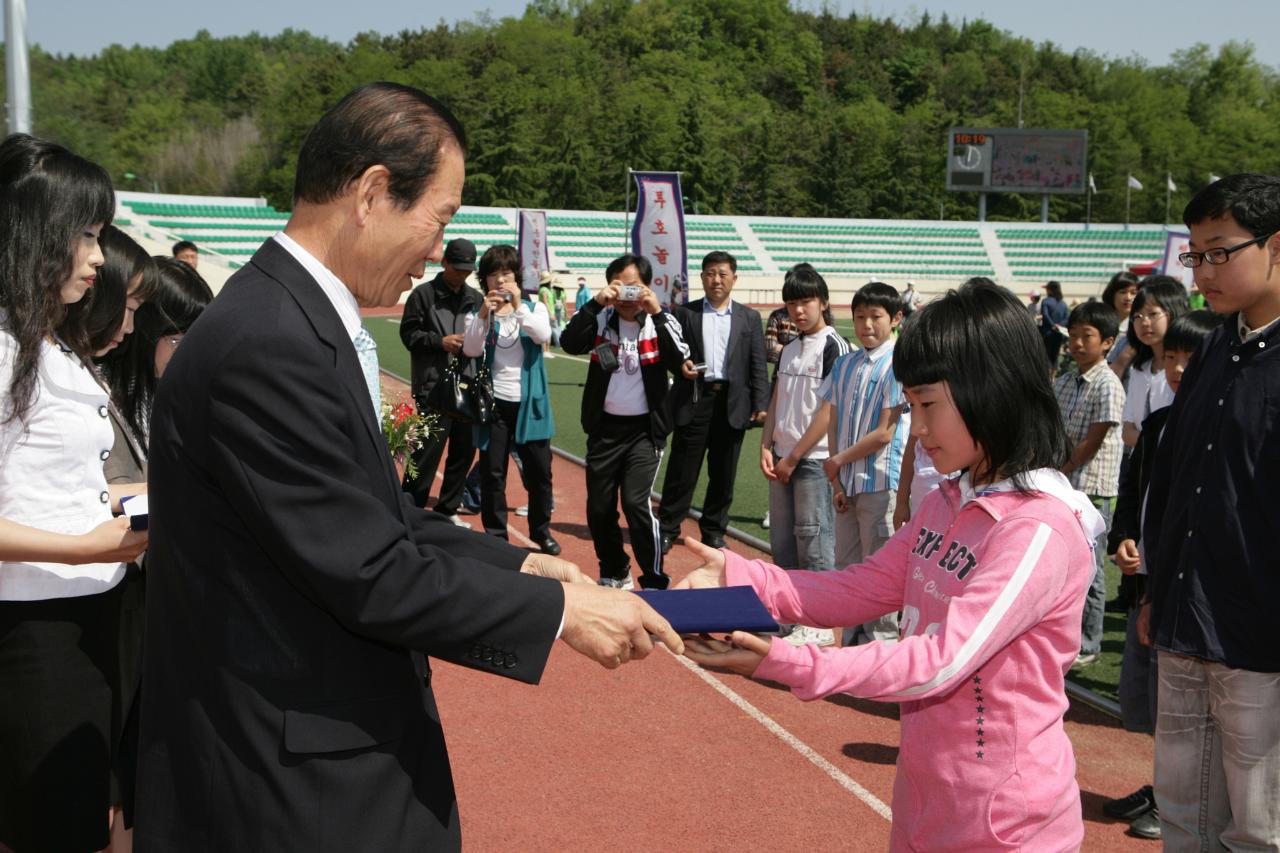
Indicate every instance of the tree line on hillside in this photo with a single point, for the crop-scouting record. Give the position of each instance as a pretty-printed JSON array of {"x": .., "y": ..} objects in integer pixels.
[{"x": 766, "y": 109}]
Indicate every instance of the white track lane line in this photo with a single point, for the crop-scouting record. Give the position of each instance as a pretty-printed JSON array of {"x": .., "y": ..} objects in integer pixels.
[
  {"x": 869, "y": 799},
  {"x": 872, "y": 802}
]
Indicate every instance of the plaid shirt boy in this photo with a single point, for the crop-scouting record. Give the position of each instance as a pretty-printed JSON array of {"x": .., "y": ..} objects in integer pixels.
[{"x": 1093, "y": 397}]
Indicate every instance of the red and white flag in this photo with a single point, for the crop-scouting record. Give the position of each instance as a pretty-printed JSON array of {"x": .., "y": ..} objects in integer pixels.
[{"x": 534, "y": 260}]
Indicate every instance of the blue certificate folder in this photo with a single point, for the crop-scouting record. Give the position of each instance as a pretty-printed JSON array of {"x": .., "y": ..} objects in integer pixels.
[{"x": 708, "y": 611}]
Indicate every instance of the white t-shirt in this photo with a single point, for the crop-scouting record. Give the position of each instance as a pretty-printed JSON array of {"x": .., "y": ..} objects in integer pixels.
[
  {"x": 51, "y": 474},
  {"x": 801, "y": 369},
  {"x": 925, "y": 477},
  {"x": 1148, "y": 391},
  {"x": 626, "y": 397}
]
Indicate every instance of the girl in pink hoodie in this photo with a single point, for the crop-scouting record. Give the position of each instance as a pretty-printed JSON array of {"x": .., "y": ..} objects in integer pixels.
[{"x": 990, "y": 576}]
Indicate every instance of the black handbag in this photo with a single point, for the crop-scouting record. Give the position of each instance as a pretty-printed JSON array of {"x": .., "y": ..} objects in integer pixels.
[{"x": 463, "y": 398}]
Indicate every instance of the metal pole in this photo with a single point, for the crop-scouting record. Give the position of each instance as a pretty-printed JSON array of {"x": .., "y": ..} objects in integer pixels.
[
  {"x": 1167, "y": 193},
  {"x": 982, "y": 207},
  {"x": 1088, "y": 208},
  {"x": 1128, "y": 193},
  {"x": 1044, "y": 207},
  {"x": 17, "y": 69},
  {"x": 626, "y": 221}
]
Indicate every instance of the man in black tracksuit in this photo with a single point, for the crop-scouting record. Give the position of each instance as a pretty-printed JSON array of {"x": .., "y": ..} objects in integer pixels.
[
  {"x": 432, "y": 327},
  {"x": 623, "y": 414}
]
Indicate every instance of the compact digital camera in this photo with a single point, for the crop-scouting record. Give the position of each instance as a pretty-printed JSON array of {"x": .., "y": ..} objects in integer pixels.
[
  {"x": 630, "y": 293},
  {"x": 606, "y": 357}
]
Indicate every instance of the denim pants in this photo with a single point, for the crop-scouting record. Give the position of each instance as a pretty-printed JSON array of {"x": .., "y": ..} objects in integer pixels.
[
  {"x": 801, "y": 533},
  {"x": 864, "y": 526},
  {"x": 1217, "y": 756},
  {"x": 1096, "y": 598}
]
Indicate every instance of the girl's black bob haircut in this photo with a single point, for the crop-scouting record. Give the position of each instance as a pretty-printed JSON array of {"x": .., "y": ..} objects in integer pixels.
[
  {"x": 981, "y": 341},
  {"x": 1166, "y": 293},
  {"x": 804, "y": 282}
]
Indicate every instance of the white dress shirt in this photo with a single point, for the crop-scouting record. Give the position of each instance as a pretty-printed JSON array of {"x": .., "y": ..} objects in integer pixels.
[
  {"x": 51, "y": 475},
  {"x": 715, "y": 338},
  {"x": 338, "y": 294}
]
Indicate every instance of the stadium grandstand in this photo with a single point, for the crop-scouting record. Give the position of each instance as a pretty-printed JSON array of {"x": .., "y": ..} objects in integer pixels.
[{"x": 848, "y": 252}]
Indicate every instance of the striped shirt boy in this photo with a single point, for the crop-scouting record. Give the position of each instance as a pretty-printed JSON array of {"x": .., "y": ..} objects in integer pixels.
[{"x": 860, "y": 386}]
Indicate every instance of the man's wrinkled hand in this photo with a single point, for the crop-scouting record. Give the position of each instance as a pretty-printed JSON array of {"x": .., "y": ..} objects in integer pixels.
[
  {"x": 612, "y": 627},
  {"x": 546, "y": 566}
]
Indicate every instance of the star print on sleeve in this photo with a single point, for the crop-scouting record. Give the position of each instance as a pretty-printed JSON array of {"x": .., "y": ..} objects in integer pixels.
[{"x": 981, "y": 709}]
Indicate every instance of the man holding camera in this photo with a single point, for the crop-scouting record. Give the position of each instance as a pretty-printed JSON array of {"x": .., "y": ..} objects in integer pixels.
[
  {"x": 721, "y": 392},
  {"x": 432, "y": 326},
  {"x": 633, "y": 344}
]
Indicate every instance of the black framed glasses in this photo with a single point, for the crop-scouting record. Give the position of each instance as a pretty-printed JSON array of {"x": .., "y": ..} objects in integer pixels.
[{"x": 1214, "y": 257}]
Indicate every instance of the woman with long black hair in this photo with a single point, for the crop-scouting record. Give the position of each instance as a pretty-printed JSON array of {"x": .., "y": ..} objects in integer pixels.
[{"x": 62, "y": 554}]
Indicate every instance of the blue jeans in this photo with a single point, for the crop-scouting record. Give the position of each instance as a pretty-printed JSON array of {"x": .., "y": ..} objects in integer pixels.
[
  {"x": 1217, "y": 756},
  {"x": 1096, "y": 598},
  {"x": 802, "y": 519}
]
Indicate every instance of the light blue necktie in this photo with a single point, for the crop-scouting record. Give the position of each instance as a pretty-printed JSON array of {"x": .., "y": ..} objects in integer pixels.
[{"x": 367, "y": 352}]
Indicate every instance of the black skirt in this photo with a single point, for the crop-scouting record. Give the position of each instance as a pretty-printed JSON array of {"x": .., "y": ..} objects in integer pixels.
[{"x": 58, "y": 668}]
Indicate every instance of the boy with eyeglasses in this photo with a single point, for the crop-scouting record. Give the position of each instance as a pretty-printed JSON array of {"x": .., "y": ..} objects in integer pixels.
[{"x": 1212, "y": 513}]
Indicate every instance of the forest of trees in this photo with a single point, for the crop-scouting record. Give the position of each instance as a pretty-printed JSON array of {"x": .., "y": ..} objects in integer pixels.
[{"x": 766, "y": 109}]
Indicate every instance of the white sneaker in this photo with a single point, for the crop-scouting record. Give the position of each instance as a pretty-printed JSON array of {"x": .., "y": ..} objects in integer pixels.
[
  {"x": 765, "y": 522},
  {"x": 522, "y": 510},
  {"x": 458, "y": 522},
  {"x": 617, "y": 583},
  {"x": 803, "y": 635}
]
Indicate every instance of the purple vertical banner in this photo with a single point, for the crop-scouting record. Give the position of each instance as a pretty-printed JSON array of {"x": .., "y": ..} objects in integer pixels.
[
  {"x": 534, "y": 259},
  {"x": 658, "y": 235}
]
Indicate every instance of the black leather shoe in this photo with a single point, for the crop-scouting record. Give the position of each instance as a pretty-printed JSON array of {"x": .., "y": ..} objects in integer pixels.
[
  {"x": 549, "y": 546},
  {"x": 667, "y": 542},
  {"x": 713, "y": 541}
]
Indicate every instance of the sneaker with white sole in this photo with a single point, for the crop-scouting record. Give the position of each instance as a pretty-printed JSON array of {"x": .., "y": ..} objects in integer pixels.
[
  {"x": 803, "y": 635},
  {"x": 523, "y": 510},
  {"x": 765, "y": 521},
  {"x": 1082, "y": 660},
  {"x": 617, "y": 583},
  {"x": 457, "y": 522}
]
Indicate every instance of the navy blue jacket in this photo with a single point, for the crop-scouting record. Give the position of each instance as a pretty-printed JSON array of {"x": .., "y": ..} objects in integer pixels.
[{"x": 1213, "y": 507}]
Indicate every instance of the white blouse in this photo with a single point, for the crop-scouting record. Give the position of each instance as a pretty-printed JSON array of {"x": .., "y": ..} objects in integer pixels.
[
  {"x": 51, "y": 474},
  {"x": 1148, "y": 391},
  {"x": 508, "y": 354}
]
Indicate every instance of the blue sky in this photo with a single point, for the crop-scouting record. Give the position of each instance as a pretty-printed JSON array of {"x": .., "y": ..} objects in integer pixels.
[{"x": 1151, "y": 30}]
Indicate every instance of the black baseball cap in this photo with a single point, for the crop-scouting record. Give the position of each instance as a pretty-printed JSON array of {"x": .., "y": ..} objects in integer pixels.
[{"x": 461, "y": 254}]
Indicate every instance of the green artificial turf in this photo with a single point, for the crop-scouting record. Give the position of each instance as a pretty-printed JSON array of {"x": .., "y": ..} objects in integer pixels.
[{"x": 567, "y": 376}]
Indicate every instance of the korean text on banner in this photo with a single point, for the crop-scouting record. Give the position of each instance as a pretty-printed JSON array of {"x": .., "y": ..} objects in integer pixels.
[
  {"x": 534, "y": 259},
  {"x": 1175, "y": 243},
  {"x": 658, "y": 235}
]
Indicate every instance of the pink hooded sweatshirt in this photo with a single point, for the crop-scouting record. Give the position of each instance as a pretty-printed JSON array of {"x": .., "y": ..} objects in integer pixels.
[{"x": 991, "y": 587}]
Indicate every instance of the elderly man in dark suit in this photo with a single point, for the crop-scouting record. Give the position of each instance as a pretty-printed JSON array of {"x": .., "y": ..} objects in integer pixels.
[
  {"x": 721, "y": 392},
  {"x": 293, "y": 585}
]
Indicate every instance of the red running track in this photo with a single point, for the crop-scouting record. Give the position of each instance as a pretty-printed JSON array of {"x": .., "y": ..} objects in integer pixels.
[{"x": 653, "y": 756}]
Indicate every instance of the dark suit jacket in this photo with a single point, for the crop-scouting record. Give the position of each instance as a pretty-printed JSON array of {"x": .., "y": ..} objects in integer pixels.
[
  {"x": 745, "y": 366},
  {"x": 431, "y": 312},
  {"x": 289, "y": 578}
]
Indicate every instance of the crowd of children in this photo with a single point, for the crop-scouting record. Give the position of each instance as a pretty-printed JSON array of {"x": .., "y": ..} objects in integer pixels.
[{"x": 1154, "y": 446}]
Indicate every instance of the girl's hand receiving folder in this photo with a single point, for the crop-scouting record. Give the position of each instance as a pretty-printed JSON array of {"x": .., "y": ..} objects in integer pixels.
[
  {"x": 740, "y": 652},
  {"x": 710, "y": 574}
]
